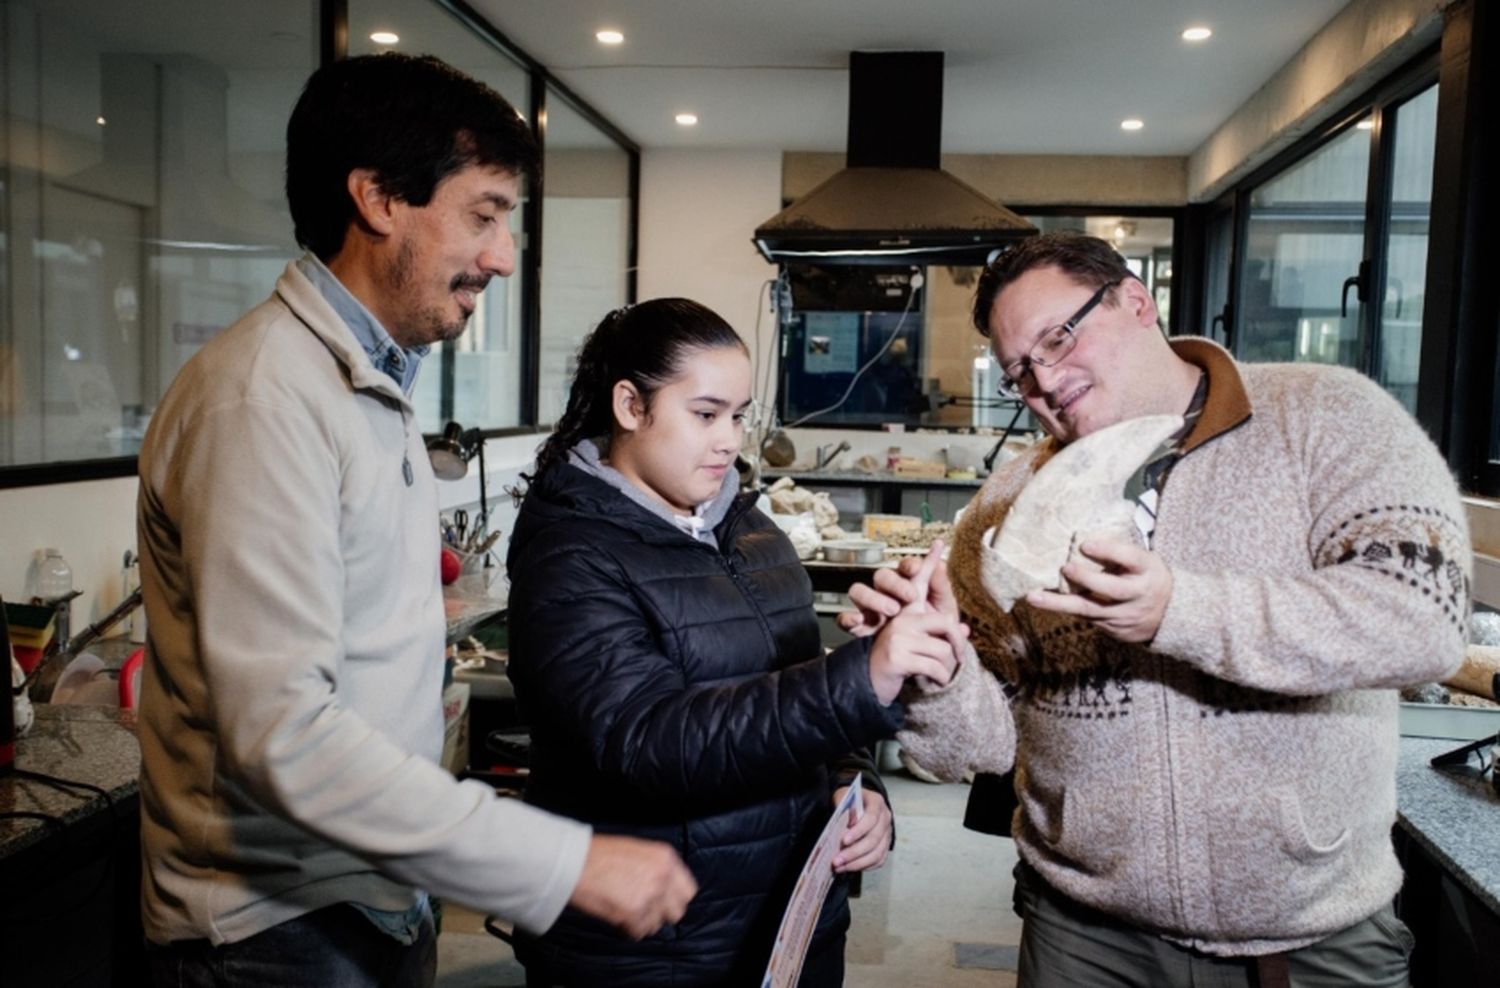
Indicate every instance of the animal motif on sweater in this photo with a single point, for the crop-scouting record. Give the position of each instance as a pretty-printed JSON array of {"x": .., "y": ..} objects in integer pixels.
[{"x": 1410, "y": 543}]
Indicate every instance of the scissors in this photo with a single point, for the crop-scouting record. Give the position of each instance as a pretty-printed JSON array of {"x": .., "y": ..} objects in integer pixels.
[{"x": 461, "y": 524}]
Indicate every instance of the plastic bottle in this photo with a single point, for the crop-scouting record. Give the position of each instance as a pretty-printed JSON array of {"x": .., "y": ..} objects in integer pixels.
[
  {"x": 54, "y": 583},
  {"x": 54, "y": 575}
]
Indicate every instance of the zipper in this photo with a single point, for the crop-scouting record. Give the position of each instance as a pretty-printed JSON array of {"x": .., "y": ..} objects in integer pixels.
[{"x": 732, "y": 519}]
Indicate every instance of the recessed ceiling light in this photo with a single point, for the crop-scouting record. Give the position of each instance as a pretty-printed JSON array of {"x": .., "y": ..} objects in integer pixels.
[
  {"x": 609, "y": 36},
  {"x": 99, "y": 121},
  {"x": 385, "y": 37},
  {"x": 1132, "y": 123},
  {"x": 1366, "y": 125},
  {"x": 687, "y": 119},
  {"x": 1197, "y": 33}
]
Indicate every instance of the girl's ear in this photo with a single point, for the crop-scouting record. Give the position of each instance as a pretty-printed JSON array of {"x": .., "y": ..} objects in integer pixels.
[{"x": 626, "y": 405}]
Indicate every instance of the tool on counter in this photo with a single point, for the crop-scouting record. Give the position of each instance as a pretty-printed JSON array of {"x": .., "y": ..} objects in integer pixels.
[
  {"x": 73, "y": 646},
  {"x": 1485, "y": 750}
]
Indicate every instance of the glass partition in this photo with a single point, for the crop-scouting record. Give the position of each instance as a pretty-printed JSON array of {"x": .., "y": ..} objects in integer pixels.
[
  {"x": 141, "y": 204},
  {"x": 476, "y": 379},
  {"x": 586, "y": 242}
]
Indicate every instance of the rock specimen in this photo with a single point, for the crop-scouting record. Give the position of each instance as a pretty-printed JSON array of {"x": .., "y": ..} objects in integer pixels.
[{"x": 1074, "y": 495}]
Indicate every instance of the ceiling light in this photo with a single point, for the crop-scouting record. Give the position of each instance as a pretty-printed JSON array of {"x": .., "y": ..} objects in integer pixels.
[
  {"x": 1197, "y": 33},
  {"x": 99, "y": 121},
  {"x": 687, "y": 119},
  {"x": 385, "y": 37},
  {"x": 1366, "y": 124},
  {"x": 1132, "y": 123},
  {"x": 610, "y": 37}
]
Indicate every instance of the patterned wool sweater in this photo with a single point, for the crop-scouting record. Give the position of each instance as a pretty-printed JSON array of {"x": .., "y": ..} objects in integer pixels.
[{"x": 1231, "y": 786}]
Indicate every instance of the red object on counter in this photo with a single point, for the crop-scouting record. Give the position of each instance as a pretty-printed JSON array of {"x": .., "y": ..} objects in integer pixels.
[
  {"x": 130, "y": 678},
  {"x": 26, "y": 657},
  {"x": 451, "y": 566}
]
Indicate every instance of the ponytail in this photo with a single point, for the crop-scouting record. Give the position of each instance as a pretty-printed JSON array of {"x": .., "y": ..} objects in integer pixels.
[{"x": 644, "y": 344}]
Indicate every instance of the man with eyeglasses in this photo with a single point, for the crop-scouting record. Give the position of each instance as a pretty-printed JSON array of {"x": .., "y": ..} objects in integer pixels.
[{"x": 1204, "y": 731}]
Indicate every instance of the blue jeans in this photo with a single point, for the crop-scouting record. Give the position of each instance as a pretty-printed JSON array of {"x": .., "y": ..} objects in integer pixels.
[{"x": 334, "y": 947}]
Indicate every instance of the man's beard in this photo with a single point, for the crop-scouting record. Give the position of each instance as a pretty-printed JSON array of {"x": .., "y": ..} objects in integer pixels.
[{"x": 428, "y": 325}]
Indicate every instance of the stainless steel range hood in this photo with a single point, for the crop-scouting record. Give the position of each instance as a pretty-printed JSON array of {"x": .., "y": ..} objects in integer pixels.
[{"x": 892, "y": 203}]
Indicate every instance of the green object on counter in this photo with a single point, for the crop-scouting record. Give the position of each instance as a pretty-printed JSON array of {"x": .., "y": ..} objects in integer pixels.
[{"x": 926, "y": 512}]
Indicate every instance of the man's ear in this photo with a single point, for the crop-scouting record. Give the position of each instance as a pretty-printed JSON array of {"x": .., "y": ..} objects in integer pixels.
[
  {"x": 1136, "y": 299},
  {"x": 627, "y": 405},
  {"x": 375, "y": 207}
]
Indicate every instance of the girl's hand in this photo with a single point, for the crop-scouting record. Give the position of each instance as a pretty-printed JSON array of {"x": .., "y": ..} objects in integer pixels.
[{"x": 867, "y": 842}]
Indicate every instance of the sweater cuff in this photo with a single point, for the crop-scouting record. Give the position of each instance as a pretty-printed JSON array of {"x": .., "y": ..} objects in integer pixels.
[
  {"x": 566, "y": 844},
  {"x": 961, "y": 727}
]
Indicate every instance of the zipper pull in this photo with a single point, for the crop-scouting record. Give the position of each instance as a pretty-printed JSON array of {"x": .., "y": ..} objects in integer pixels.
[{"x": 406, "y": 469}]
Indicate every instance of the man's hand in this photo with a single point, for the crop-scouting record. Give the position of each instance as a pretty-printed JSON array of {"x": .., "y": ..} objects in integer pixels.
[
  {"x": 1126, "y": 600},
  {"x": 898, "y": 588},
  {"x": 637, "y": 885},
  {"x": 868, "y": 839}
]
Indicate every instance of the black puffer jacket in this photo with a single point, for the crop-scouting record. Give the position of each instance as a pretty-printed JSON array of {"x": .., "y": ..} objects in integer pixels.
[{"x": 677, "y": 691}]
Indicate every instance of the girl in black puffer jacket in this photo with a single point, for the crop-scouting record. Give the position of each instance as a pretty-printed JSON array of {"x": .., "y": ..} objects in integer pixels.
[{"x": 665, "y": 652}]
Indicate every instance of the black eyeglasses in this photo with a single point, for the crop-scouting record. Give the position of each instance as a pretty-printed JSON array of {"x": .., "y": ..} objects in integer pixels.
[{"x": 1056, "y": 343}]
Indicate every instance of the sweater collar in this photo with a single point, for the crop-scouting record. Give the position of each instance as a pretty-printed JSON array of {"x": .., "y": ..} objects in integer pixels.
[
  {"x": 314, "y": 311},
  {"x": 1228, "y": 404}
]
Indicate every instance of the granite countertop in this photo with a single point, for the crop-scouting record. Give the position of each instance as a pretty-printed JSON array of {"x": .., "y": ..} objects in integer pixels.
[
  {"x": 95, "y": 745},
  {"x": 812, "y": 477},
  {"x": 1454, "y": 814}
]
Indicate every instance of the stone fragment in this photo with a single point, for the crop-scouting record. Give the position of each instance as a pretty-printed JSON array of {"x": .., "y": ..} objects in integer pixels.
[{"x": 1075, "y": 495}]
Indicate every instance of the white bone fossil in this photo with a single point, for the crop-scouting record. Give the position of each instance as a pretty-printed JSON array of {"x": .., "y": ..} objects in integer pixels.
[{"x": 1074, "y": 495}]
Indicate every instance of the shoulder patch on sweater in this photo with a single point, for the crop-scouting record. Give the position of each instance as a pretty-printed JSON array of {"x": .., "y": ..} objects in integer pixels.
[{"x": 1413, "y": 544}]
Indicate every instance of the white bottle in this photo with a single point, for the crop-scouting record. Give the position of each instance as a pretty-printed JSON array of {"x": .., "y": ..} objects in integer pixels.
[
  {"x": 54, "y": 580},
  {"x": 54, "y": 575}
]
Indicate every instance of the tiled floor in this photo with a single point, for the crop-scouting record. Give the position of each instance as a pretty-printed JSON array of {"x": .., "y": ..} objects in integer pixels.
[{"x": 941, "y": 901}]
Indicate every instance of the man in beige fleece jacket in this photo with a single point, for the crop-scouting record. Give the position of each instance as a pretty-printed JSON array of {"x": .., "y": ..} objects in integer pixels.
[
  {"x": 1204, "y": 732},
  {"x": 293, "y": 816}
]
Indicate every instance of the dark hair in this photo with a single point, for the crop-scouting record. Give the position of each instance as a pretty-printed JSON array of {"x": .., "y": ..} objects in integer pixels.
[
  {"x": 1088, "y": 260},
  {"x": 645, "y": 344},
  {"x": 412, "y": 120}
]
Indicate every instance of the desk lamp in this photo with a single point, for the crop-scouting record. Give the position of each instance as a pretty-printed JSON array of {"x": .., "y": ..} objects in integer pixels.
[{"x": 450, "y": 454}]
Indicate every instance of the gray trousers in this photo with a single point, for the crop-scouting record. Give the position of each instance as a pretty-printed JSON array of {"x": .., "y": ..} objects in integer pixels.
[{"x": 1068, "y": 945}]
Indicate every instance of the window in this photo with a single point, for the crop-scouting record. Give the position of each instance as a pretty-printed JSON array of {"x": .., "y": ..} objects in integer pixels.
[
  {"x": 141, "y": 205},
  {"x": 1305, "y": 239},
  {"x": 1409, "y": 207},
  {"x": 1336, "y": 243}
]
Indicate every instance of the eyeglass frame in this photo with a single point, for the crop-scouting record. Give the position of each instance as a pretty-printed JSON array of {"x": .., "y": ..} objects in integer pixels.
[{"x": 1011, "y": 386}]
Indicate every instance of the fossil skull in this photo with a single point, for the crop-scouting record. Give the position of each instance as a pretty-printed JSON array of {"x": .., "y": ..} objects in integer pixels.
[{"x": 1075, "y": 494}]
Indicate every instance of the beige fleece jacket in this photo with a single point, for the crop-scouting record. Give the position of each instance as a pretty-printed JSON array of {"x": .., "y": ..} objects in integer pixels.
[
  {"x": 291, "y": 709},
  {"x": 1232, "y": 786}
]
